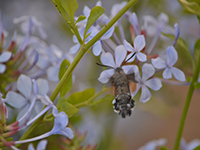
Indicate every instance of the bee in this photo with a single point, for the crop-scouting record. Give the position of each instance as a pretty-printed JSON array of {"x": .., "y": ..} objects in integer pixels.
[{"x": 123, "y": 103}]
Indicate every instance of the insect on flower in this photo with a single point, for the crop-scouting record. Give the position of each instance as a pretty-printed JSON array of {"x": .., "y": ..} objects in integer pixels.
[{"x": 120, "y": 77}]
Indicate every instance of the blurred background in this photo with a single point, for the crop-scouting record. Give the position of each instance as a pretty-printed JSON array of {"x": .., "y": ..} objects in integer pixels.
[{"x": 158, "y": 118}]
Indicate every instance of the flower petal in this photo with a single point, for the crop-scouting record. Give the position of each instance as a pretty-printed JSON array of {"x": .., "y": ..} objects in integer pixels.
[
  {"x": 43, "y": 86},
  {"x": 22, "y": 112},
  {"x": 106, "y": 75},
  {"x": 15, "y": 99},
  {"x": 145, "y": 95},
  {"x": 24, "y": 85},
  {"x": 31, "y": 147},
  {"x": 5, "y": 56},
  {"x": 159, "y": 63},
  {"x": 108, "y": 34},
  {"x": 42, "y": 145},
  {"x": 167, "y": 74},
  {"x": 128, "y": 46},
  {"x": 147, "y": 71},
  {"x": 2, "y": 68},
  {"x": 139, "y": 43},
  {"x": 134, "y": 22},
  {"x": 163, "y": 19},
  {"x": 172, "y": 56},
  {"x": 52, "y": 73},
  {"x": 177, "y": 33},
  {"x": 60, "y": 122},
  {"x": 97, "y": 48},
  {"x": 133, "y": 93},
  {"x": 107, "y": 59},
  {"x": 86, "y": 11},
  {"x": 129, "y": 56},
  {"x": 66, "y": 132},
  {"x": 129, "y": 69},
  {"x": 193, "y": 144},
  {"x": 178, "y": 74},
  {"x": 154, "y": 83},
  {"x": 120, "y": 54},
  {"x": 74, "y": 49},
  {"x": 141, "y": 57}
]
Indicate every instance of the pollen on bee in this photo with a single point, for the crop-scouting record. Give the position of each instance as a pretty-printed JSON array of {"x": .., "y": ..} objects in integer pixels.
[{"x": 132, "y": 86}]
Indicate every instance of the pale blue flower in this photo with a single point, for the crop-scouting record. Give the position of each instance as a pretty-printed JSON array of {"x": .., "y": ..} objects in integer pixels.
[
  {"x": 49, "y": 61},
  {"x": 153, "y": 83},
  {"x": 60, "y": 123},
  {"x": 139, "y": 44},
  {"x": 117, "y": 7},
  {"x": 177, "y": 32},
  {"x": 23, "y": 100},
  {"x": 167, "y": 65},
  {"x": 189, "y": 146},
  {"x": 153, "y": 145},
  {"x": 35, "y": 25},
  {"x": 107, "y": 59},
  {"x": 56, "y": 57},
  {"x": 41, "y": 145},
  {"x": 4, "y": 57},
  {"x": 156, "y": 25},
  {"x": 94, "y": 29},
  {"x": 134, "y": 21}
]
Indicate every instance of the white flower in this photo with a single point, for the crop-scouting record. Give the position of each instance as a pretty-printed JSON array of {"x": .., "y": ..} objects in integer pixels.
[
  {"x": 25, "y": 25},
  {"x": 4, "y": 57},
  {"x": 171, "y": 59},
  {"x": 152, "y": 145},
  {"x": 134, "y": 21},
  {"x": 156, "y": 25},
  {"x": 94, "y": 29},
  {"x": 107, "y": 59},
  {"x": 117, "y": 7},
  {"x": 23, "y": 100},
  {"x": 139, "y": 44},
  {"x": 41, "y": 145},
  {"x": 191, "y": 145},
  {"x": 153, "y": 83}
]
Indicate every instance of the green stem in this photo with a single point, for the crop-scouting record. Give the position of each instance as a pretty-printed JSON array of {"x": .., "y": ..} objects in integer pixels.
[
  {"x": 92, "y": 98},
  {"x": 186, "y": 105}
]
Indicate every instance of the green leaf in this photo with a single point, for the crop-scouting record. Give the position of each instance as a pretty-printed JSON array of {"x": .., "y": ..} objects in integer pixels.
[
  {"x": 197, "y": 85},
  {"x": 80, "y": 18},
  {"x": 192, "y": 7},
  {"x": 70, "y": 7},
  {"x": 163, "y": 148},
  {"x": 198, "y": 17},
  {"x": 95, "y": 13},
  {"x": 68, "y": 108},
  {"x": 197, "y": 148},
  {"x": 61, "y": 10},
  {"x": 197, "y": 50},
  {"x": 106, "y": 98},
  {"x": 63, "y": 67},
  {"x": 79, "y": 97}
]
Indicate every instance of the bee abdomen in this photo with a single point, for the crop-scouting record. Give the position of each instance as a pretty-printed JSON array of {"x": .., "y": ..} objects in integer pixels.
[{"x": 123, "y": 105}]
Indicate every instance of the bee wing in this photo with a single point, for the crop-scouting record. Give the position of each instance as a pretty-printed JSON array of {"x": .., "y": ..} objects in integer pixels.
[{"x": 131, "y": 77}]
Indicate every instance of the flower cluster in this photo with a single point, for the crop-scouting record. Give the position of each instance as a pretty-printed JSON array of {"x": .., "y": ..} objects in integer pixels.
[
  {"x": 143, "y": 61},
  {"x": 22, "y": 64},
  {"x": 28, "y": 54},
  {"x": 32, "y": 97}
]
